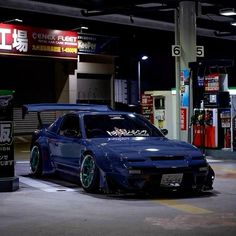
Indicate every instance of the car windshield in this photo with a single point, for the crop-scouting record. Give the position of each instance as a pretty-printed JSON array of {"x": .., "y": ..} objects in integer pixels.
[{"x": 118, "y": 125}]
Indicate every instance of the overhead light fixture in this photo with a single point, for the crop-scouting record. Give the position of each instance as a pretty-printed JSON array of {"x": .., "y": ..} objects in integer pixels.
[
  {"x": 222, "y": 34},
  {"x": 228, "y": 12},
  {"x": 91, "y": 12},
  {"x": 146, "y": 5},
  {"x": 233, "y": 23},
  {"x": 80, "y": 29},
  {"x": 144, "y": 57},
  {"x": 18, "y": 20},
  {"x": 13, "y": 20},
  {"x": 84, "y": 27}
]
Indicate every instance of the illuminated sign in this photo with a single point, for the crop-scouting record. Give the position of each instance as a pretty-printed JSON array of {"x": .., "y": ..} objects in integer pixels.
[
  {"x": 183, "y": 118},
  {"x": 28, "y": 41},
  {"x": 97, "y": 44}
]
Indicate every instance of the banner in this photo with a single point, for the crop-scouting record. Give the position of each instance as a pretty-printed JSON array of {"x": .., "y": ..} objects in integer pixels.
[
  {"x": 147, "y": 107},
  {"x": 29, "y": 41},
  {"x": 183, "y": 118},
  {"x": 184, "y": 85}
]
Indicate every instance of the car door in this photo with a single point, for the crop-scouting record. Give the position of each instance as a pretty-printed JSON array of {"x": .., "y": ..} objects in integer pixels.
[{"x": 66, "y": 148}]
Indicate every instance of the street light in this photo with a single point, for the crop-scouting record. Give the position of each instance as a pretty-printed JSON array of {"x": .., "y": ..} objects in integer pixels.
[{"x": 143, "y": 58}]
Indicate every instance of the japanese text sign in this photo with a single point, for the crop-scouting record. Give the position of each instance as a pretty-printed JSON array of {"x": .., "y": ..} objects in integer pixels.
[
  {"x": 6, "y": 135},
  {"x": 147, "y": 107},
  {"x": 23, "y": 40},
  {"x": 183, "y": 118}
]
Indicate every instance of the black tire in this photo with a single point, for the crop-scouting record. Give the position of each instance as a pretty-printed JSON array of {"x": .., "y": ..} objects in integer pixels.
[
  {"x": 89, "y": 174},
  {"x": 36, "y": 161}
]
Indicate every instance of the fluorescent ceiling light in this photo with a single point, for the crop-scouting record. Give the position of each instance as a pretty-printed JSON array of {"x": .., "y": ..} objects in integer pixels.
[
  {"x": 18, "y": 20},
  {"x": 93, "y": 11},
  {"x": 146, "y": 5},
  {"x": 207, "y": 4},
  {"x": 233, "y": 23},
  {"x": 81, "y": 28},
  {"x": 144, "y": 58},
  {"x": 13, "y": 20},
  {"x": 84, "y": 27},
  {"x": 228, "y": 12}
]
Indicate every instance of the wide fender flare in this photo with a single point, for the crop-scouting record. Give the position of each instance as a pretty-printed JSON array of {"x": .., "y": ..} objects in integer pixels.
[
  {"x": 103, "y": 183},
  {"x": 48, "y": 165}
]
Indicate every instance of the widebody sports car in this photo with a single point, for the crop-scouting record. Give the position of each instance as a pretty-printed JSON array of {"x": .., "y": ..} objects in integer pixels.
[{"x": 109, "y": 150}]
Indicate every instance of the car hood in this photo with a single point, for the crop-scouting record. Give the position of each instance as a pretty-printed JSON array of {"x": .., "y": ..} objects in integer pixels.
[{"x": 146, "y": 147}]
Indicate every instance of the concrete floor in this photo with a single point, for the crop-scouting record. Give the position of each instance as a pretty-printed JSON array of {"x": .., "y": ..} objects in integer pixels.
[{"x": 51, "y": 206}]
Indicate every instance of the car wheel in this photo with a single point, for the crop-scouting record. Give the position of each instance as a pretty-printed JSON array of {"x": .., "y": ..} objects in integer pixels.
[
  {"x": 89, "y": 174},
  {"x": 36, "y": 161}
]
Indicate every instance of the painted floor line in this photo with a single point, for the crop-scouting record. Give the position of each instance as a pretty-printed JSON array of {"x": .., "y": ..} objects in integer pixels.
[
  {"x": 225, "y": 169},
  {"x": 43, "y": 186},
  {"x": 213, "y": 161},
  {"x": 184, "y": 207}
]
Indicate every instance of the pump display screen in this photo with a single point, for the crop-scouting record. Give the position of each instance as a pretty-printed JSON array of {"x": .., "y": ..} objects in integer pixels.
[
  {"x": 213, "y": 98},
  {"x": 210, "y": 100}
]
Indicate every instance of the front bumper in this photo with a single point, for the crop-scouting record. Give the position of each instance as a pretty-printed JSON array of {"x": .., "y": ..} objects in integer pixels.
[{"x": 150, "y": 179}]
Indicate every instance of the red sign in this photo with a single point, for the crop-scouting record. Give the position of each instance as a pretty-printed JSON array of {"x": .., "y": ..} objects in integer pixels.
[
  {"x": 212, "y": 82},
  {"x": 23, "y": 40},
  {"x": 183, "y": 118},
  {"x": 147, "y": 107}
]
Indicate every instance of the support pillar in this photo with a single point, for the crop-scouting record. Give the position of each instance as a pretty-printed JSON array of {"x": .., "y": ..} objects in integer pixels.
[
  {"x": 177, "y": 76},
  {"x": 8, "y": 181},
  {"x": 187, "y": 39}
]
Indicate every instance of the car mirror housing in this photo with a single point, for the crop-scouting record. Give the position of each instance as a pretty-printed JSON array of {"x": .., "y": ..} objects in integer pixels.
[{"x": 164, "y": 131}]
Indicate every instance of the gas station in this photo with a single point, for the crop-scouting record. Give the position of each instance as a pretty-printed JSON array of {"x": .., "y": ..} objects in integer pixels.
[
  {"x": 189, "y": 89},
  {"x": 201, "y": 96}
]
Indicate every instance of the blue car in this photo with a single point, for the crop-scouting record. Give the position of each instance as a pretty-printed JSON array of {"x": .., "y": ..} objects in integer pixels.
[{"x": 110, "y": 151}]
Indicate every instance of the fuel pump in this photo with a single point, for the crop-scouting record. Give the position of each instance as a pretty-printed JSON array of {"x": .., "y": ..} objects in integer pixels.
[
  {"x": 211, "y": 95},
  {"x": 159, "y": 112}
]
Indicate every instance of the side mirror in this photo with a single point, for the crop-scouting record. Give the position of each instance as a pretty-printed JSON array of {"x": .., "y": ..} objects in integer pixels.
[{"x": 164, "y": 131}]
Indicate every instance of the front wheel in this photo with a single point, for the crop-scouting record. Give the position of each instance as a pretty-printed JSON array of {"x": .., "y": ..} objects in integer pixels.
[
  {"x": 89, "y": 174},
  {"x": 36, "y": 161}
]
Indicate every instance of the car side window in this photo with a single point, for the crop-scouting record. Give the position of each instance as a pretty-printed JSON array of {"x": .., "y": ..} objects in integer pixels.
[{"x": 70, "y": 126}]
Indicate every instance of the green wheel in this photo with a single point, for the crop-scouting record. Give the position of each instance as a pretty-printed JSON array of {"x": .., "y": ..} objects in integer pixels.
[
  {"x": 89, "y": 174},
  {"x": 36, "y": 161}
]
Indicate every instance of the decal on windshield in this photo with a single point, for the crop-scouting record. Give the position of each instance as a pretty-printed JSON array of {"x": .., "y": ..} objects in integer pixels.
[
  {"x": 116, "y": 117},
  {"x": 123, "y": 132}
]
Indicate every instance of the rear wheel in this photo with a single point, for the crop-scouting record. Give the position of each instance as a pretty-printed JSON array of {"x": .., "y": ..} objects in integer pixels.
[
  {"x": 36, "y": 161},
  {"x": 89, "y": 174}
]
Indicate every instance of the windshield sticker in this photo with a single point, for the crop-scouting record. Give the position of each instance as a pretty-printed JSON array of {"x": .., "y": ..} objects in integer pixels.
[
  {"x": 116, "y": 117},
  {"x": 123, "y": 132}
]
